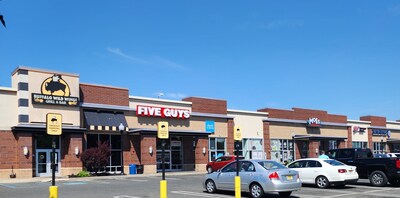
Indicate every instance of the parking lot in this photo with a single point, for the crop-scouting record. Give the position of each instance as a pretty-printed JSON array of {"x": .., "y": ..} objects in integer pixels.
[{"x": 178, "y": 186}]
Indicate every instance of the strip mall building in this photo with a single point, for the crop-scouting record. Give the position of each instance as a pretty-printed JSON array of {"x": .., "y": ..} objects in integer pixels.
[{"x": 201, "y": 129}]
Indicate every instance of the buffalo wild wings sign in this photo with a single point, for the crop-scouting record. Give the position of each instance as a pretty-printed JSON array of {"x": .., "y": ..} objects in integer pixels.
[
  {"x": 54, "y": 91},
  {"x": 163, "y": 112}
]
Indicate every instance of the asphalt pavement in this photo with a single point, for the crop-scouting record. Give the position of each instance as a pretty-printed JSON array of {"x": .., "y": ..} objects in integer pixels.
[{"x": 183, "y": 184}]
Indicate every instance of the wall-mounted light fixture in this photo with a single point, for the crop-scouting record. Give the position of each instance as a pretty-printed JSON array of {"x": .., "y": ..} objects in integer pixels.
[
  {"x": 151, "y": 150},
  {"x": 76, "y": 151},
  {"x": 204, "y": 150},
  {"x": 26, "y": 151},
  {"x": 316, "y": 151}
]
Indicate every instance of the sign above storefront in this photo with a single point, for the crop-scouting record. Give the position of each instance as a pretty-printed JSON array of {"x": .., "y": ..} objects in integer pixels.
[
  {"x": 54, "y": 91},
  {"x": 210, "y": 126},
  {"x": 313, "y": 122},
  {"x": 380, "y": 132},
  {"x": 359, "y": 129},
  {"x": 164, "y": 112}
]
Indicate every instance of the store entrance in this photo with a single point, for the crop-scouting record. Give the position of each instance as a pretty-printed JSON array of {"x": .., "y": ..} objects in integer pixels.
[
  {"x": 173, "y": 154},
  {"x": 44, "y": 154}
]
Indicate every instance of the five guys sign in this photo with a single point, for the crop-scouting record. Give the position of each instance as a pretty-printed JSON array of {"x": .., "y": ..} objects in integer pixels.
[{"x": 164, "y": 112}]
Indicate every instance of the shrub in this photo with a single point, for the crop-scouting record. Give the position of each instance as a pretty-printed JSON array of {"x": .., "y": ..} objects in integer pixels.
[
  {"x": 83, "y": 174},
  {"x": 96, "y": 158}
]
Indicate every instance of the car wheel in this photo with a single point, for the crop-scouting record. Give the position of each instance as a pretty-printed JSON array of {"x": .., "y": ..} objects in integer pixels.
[
  {"x": 210, "y": 186},
  {"x": 209, "y": 169},
  {"x": 322, "y": 182},
  {"x": 285, "y": 194},
  {"x": 256, "y": 191},
  {"x": 378, "y": 178}
]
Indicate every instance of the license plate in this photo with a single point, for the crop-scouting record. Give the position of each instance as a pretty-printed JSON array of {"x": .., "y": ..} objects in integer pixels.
[
  {"x": 289, "y": 177},
  {"x": 350, "y": 170}
]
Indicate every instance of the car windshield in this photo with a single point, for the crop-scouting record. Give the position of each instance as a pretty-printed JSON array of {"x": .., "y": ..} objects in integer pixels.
[
  {"x": 270, "y": 165},
  {"x": 334, "y": 162}
]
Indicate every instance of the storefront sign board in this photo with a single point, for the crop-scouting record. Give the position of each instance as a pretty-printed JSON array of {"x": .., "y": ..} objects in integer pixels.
[
  {"x": 163, "y": 112},
  {"x": 237, "y": 133},
  {"x": 210, "y": 126},
  {"x": 54, "y": 123},
  {"x": 162, "y": 130},
  {"x": 55, "y": 91}
]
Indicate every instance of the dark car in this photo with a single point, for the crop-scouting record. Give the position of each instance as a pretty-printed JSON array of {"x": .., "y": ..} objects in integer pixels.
[
  {"x": 220, "y": 162},
  {"x": 378, "y": 170}
]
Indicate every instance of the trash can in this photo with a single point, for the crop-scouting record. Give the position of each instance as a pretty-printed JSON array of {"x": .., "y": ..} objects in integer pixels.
[
  {"x": 132, "y": 169},
  {"x": 139, "y": 169}
]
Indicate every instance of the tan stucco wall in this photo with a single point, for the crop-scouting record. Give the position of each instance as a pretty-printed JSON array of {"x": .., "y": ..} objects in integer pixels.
[
  {"x": 37, "y": 112},
  {"x": 251, "y": 125},
  {"x": 9, "y": 109},
  {"x": 393, "y": 126},
  {"x": 286, "y": 131}
]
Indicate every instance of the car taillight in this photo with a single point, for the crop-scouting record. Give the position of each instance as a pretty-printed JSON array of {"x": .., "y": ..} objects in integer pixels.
[
  {"x": 273, "y": 175},
  {"x": 342, "y": 171},
  {"x": 398, "y": 164}
]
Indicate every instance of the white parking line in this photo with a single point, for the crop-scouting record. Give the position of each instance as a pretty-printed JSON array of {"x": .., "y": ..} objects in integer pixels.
[
  {"x": 138, "y": 180},
  {"x": 355, "y": 193},
  {"x": 8, "y": 186},
  {"x": 124, "y": 196},
  {"x": 197, "y": 194}
]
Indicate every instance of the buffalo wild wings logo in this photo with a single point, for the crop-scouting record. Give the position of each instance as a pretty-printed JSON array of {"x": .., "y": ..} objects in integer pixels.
[
  {"x": 55, "y": 86},
  {"x": 55, "y": 90}
]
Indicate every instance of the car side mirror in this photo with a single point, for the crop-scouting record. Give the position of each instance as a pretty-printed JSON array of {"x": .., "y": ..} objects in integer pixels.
[{"x": 219, "y": 170}]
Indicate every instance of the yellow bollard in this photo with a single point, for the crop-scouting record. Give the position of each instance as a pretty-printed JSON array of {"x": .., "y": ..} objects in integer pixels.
[
  {"x": 238, "y": 193},
  {"x": 53, "y": 191},
  {"x": 163, "y": 189}
]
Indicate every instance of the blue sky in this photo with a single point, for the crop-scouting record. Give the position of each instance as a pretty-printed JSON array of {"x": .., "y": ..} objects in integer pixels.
[{"x": 338, "y": 56}]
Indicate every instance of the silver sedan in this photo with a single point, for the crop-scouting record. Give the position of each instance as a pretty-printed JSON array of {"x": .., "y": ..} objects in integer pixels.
[{"x": 257, "y": 177}]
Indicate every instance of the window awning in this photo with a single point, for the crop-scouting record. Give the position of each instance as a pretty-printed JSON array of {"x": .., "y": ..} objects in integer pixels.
[
  {"x": 318, "y": 137},
  {"x": 171, "y": 132},
  {"x": 104, "y": 121}
]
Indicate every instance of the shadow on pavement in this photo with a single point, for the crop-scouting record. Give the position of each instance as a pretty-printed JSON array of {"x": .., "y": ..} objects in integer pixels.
[{"x": 244, "y": 194}]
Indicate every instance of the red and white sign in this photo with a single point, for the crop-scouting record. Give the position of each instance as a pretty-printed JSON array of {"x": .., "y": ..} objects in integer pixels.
[{"x": 164, "y": 112}]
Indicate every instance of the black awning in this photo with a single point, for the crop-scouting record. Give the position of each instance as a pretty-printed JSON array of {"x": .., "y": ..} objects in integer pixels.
[
  {"x": 104, "y": 120},
  {"x": 318, "y": 137}
]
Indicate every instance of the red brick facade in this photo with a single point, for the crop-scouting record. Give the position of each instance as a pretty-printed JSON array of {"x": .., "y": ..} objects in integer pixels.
[
  {"x": 267, "y": 140},
  {"x": 304, "y": 114},
  {"x": 146, "y": 157},
  {"x": 230, "y": 143},
  {"x": 205, "y": 105},
  {"x": 375, "y": 120},
  {"x": 68, "y": 144},
  {"x": 11, "y": 154},
  {"x": 201, "y": 158},
  {"x": 104, "y": 95}
]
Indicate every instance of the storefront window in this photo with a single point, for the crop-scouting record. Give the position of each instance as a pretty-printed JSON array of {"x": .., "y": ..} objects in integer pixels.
[
  {"x": 253, "y": 148},
  {"x": 282, "y": 150},
  {"x": 115, "y": 146},
  {"x": 379, "y": 147},
  {"x": 362, "y": 145},
  {"x": 332, "y": 144},
  {"x": 216, "y": 148}
]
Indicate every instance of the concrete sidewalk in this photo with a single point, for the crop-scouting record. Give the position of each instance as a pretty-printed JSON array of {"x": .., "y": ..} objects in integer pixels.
[{"x": 48, "y": 179}]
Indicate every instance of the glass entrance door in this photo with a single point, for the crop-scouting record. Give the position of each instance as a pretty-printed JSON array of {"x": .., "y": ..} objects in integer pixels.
[
  {"x": 43, "y": 162},
  {"x": 173, "y": 154}
]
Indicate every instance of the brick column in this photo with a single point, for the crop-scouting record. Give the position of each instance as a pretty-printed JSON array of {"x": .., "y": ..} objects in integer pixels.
[
  {"x": 229, "y": 140},
  {"x": 132, "y": 150},
  {"x": 312, "y": 145},
  {"x": 201, "y": 159},
  {"x": 298, "y": 149},
  {"x": 349, "y": 137},
  {"x": 267, "y": 140},
  {"x": 370, "y": 143},
  {"x": 71, "y": 163},
  {"x": 148, "y": 160}
]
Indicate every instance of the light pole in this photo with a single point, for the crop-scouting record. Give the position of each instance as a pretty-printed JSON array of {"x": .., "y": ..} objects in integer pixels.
[{"x": 121, "y": 129}]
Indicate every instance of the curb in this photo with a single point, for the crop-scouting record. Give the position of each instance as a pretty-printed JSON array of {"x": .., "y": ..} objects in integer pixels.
[{"x": 47, "y": 179}]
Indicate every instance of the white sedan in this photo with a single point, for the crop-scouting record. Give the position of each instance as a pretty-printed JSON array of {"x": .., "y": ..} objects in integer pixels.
[{"x": 324, "y": 172}]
